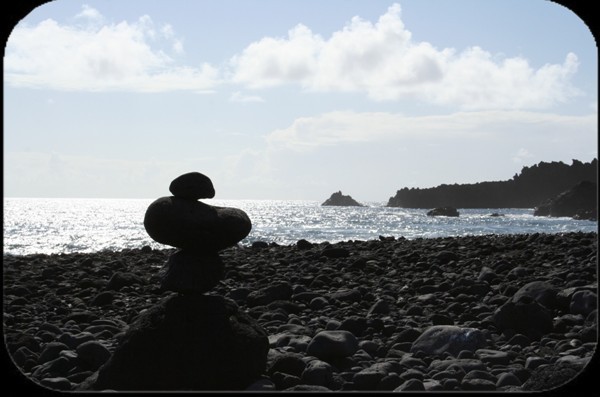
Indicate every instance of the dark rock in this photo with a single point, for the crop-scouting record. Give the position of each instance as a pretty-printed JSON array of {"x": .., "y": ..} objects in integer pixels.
[
  {"x": 580, "y": 201},
  {"x": 22, "y": 355},
  {"x": 284, "y": 381},
  {"x": 328, "y": 345},
  {"x": 565, "y": 296},
  {"x": 289, "y": 363},
  {"x": 59, "y": 367},
  {"x": 260, "y": 245},
  {"x": 477, "y": 384},
  {"x": 354, "y": 324},
  {"x": 486, "y": 274},
  {"x": 338, "y": 199},
  {"x": 264, "y": 296},
  {"x": 335, "y": 252},
  {"x": 75, "y": 340},
  {"x": 438, "y": 339},
  {"x": 508, "y": 379},
  {"x": 189, "y": 271},
  {"x": 369, "y": 378},
  {"x": 443, "y": 211},
  {"x": 520, "y": 340},
  {"x": 408, "y": 335},
  {"x": 441, "y": 319},
  {"x": 583, "y": 302},
  {"x": 81, "y": 316},
  {"x": 103, "y": 298},
  {"x": 92, "y": 354},
  {"x": 540, "y": 291},
  {"x": 479, "y": 374},
  {"x": 194, "y": 225},
  {"x": 532, "y": 186},
  {"x": 193, "y": 186},
  {"x": 123, "y": 279},
  {"x": 379, "y": 307},
  {"x": 317, "y": 373},
  {"x": 304, "y": 244},
  {"x": 411, "y": 385},
  {"x": 444, "y": 257},
  {"x": 525, "y": 316},
  {"x": 534, "y": 362},
  {"x": 58, "y": 383},
  {"x": 51, "y": 351},
  {"x": 79, "y": 377},
  {"x": 309, "y": 388},
  {"x": 186, "y": 343},
  {"x": 347, "y": 295},
  {"x": 389, "y": 382},
  {"x": 492, "y": 357},
  {"x": 551, "y": 376}
]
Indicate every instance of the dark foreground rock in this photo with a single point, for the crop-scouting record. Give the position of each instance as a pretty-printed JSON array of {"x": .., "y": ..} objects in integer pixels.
[
  {"x": 193, "y": 342},
  {"x": 361, "y": 310},
  {"x": 338, "y": 199}
]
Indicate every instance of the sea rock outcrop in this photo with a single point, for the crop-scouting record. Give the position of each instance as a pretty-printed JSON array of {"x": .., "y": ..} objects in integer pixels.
[
  {"x": 338, "y": 199},
  {"x": 534, "y": 185},
  {"x": 443, "y": 211},
  {"x": 189, "y": 341},
  {"x": 580, "y": 201}
]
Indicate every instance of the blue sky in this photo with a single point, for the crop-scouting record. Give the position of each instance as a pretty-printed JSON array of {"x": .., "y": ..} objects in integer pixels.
[{"x": 292, "y": 99}]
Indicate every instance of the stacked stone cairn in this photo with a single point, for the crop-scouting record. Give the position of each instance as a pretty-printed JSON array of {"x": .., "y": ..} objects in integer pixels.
[{"x": 190, "y": 340}]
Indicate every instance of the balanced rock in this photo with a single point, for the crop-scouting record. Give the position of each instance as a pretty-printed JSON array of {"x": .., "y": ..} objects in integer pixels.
[
  {"x": 193, "y": 186},
  {"x": 196, "y": 342},
  {"x": 191, "y": 271},
  {"x": 193, "y": 225}
]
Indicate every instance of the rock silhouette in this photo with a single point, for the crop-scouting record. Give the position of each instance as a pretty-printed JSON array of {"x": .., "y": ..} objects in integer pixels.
[
  {"x": 580, "y": 202},
  {"x": 443, "y": 211},
  {"x": 189, "y": 340},
  {"x": 532, "y": 187},
  {"x": 338, "y": 199}
]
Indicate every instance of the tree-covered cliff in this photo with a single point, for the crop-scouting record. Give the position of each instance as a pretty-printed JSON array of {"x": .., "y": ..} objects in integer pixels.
[{"x": 533, "y": 186}]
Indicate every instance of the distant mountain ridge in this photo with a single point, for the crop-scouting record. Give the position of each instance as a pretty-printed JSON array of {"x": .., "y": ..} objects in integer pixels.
[{"x": 533, "y": 186}]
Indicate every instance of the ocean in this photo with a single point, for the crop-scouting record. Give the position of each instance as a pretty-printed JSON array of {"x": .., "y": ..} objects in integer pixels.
[{"x": 54, "y": 226}]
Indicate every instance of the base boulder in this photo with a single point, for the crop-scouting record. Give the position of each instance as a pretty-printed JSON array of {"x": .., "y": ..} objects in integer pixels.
[{"x": 196, "y": 342}]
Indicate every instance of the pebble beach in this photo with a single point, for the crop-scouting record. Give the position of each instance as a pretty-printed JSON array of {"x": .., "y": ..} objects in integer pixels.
[{"x": 392, "y": 314}]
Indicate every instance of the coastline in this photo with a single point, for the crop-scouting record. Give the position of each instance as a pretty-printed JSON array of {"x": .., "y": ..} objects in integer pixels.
[{"x": 380, "y": 290}]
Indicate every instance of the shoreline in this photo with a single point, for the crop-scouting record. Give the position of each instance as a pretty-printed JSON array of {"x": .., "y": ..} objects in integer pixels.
[{"x": 386, "y": 292}]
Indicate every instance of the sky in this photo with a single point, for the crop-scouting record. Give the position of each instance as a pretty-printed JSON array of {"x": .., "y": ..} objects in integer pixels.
[{"x": 292, "y": 99}]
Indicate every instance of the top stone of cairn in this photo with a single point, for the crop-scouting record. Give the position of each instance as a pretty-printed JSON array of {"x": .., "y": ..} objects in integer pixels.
[{"x": 192, "y": 185}]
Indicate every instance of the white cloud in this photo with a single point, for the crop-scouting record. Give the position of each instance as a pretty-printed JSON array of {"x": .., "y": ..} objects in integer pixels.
[
  {"x": 124, "y": 56},
  {"x": 522, "y": 156},
  {"x": 382, "y": 60},
  {"x": 338, "y": 128},
  {"x": 89, "y": 13},
  {"x": 239, "y": 97}
]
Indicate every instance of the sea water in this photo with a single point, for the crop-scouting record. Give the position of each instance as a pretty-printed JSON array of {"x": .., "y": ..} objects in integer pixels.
[{"x": 52, "y": 226}]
